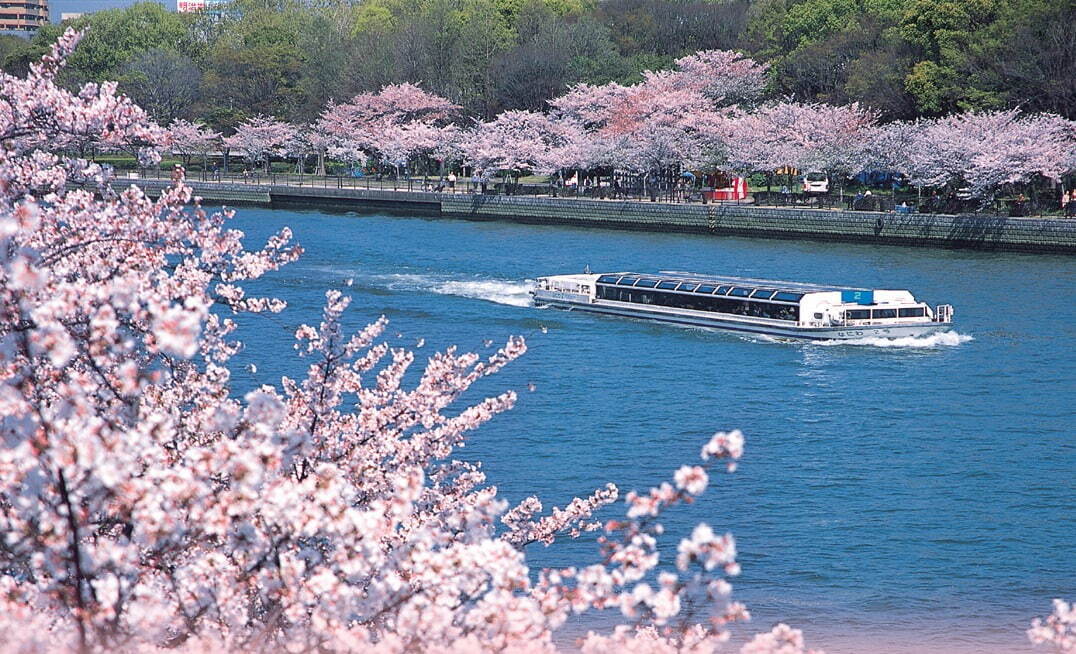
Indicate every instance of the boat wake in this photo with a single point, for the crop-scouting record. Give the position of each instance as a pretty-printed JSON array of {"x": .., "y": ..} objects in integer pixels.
[
  {"x": 512, "y": 293},
  {"x": 941, "y": 339}
]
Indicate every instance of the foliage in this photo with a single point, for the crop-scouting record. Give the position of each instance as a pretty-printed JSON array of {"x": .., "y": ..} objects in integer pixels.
[
  {"x": 117, "y": 36},
  {"x": 165, "y": 83},
  {"x": 922, "y": 58}
]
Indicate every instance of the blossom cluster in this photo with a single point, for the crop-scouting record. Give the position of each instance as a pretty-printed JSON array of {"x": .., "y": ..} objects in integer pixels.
[{"x": 1058, "y": 629}]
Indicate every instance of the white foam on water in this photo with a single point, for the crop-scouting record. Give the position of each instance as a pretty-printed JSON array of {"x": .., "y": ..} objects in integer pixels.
[
  {"x": 940, "y": 339},
  {"x": 513, "y": 293},
  {"x": 516, "y": 294}
]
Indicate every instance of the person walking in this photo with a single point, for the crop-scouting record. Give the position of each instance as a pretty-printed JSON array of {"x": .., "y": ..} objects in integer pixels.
[{"x": 452, "y": 182}]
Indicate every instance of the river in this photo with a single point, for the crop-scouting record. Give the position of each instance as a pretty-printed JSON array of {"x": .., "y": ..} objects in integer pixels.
[{"x": 909, "y": 497}]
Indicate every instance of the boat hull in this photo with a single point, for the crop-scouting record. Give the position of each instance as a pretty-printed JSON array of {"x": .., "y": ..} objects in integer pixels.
[{"x": 719, "y": 321}]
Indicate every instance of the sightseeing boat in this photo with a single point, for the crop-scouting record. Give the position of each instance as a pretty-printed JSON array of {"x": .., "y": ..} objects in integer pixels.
[{"x": 756, "y": 306}]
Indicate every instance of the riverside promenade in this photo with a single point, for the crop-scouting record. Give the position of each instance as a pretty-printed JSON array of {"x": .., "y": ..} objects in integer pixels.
[{"x": 982, "y": 232}]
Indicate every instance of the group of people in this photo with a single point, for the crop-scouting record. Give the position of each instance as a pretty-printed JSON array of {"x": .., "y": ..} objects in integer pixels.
[
  {"x": 479, "y": 184},
  {"x": 1068, "y": 202}
]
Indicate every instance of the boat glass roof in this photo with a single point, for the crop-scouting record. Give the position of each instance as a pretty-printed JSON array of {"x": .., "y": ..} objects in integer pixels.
[{"x": 781, "y": 291}]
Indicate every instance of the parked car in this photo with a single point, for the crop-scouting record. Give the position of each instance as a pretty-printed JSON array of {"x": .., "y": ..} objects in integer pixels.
[{"x": 815, "y": 182}]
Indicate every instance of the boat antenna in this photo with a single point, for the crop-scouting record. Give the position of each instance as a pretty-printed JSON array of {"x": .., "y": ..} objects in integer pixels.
[{"x": 586, "y": 269}]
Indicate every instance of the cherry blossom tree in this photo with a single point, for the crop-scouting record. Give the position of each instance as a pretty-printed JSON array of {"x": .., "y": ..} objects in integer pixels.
[
  {"x": 262, "y": 137},
  {"x": 401, "y": 103},
  {"x": 990, "y": 149},
  {"x": 724, "y": 76},
  {"x": 304, "y": 141},
  {"x": 400, "y": 144},
  {"x": 804, "y": 136},
  {"x": 513, "y": 142},
  {"x": 120, "y": 125},
  {"x": 189, "y": 139},
  {"x": 670, "y": 120},
  {"x": 396, "y": 123},
  {"x": 318, "y": 142},
  {"x": 590, "y": 105},
  {"x": 446, "y": 147}
]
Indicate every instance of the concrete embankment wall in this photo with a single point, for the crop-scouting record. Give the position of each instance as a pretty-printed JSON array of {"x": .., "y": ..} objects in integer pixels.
[
  {"x": 302, "y": 197},
  {"x": 979, "y": 232}
]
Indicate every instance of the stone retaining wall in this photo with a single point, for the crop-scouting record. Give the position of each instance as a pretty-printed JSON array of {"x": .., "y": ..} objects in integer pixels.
[
  {"x": 980, "y": 232},
  {"x": 351, "y": 198},
  {"x": 210, "y": 193}
]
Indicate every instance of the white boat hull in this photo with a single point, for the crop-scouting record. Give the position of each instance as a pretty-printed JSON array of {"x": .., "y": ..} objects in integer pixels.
[{"x": 731, "y": 323}]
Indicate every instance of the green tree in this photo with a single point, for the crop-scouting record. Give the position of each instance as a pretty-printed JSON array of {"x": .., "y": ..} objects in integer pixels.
[
  {"x": 486, "y": 37},
  {"x": 164, "y": 83},
  {"x": 673, "y": 27},
  {"x": 16, "y": 54},
  {"x": 1027, "y": 57},
  {"x": 551, "y": 52},
  {"x": 114, "y": 37},
  {"x": 255, "y": 67},
  {"x": 944, "y": 33}
]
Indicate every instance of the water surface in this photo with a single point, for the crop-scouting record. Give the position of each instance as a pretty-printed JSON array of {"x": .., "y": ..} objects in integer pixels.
[{"x": 910, "y": 498}]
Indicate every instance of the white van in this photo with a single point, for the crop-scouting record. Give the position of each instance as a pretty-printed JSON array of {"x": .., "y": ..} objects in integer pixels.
[{"x": 815, "y": 181}]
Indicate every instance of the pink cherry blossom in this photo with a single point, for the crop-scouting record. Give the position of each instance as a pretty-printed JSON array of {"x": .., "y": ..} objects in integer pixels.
[
  {"x": 985, "y": 150},
  {"x": 692, "y": 479},
  {"x": 189, "y": 139},
  {"x": 782, "y": 639},
  {"x": 1057, "y": 630},
  {"x": 724, "y": 444},
  {"x": 262, "y": 137}
]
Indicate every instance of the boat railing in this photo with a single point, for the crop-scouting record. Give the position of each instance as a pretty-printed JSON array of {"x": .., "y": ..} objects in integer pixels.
[{"x": 943, "y": 313}]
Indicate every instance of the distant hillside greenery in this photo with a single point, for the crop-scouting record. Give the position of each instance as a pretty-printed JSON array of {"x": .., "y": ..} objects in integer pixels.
[{"x": 905, "y": 58}]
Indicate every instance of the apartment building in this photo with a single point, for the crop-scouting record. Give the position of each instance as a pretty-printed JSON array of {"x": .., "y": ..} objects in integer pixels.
[{"x": 23, "y": 16}]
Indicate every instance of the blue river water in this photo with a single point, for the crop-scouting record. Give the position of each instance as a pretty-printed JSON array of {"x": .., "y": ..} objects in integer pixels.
[{"x": 909, "y": 497}]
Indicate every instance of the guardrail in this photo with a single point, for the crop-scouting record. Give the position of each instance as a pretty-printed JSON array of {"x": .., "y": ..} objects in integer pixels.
[{"x": 899, "y": 203}]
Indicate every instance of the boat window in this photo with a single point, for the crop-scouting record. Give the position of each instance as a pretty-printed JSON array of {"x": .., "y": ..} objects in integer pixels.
[
  {"x": 704, "y": 288},
  {"x": 687, "y": 287},
  {"x": 884, "y": 313},
  {"x": 858, "y": 314},
  {"x": 647, "y": 283},
  {"x": 741, "y": 292},
  {"x": 723, "y": 290},
  {"x": 763, "y": 293},
  {"x": 917, "y": 312},
  {"x": 668, "y": 285},
  {"x": 608, "y": 279},
  {"x": 785, "y": 296},
  {"x": 705, "y": 303},
  {"x": 627, "y": 281}
]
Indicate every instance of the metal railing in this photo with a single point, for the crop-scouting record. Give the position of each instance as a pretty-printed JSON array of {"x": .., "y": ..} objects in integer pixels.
[{"x": 899, "y": 203}]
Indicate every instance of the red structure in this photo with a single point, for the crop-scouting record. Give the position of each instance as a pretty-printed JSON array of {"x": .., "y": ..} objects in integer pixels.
[{"x": 725, "y": 187}]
